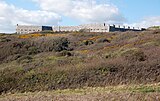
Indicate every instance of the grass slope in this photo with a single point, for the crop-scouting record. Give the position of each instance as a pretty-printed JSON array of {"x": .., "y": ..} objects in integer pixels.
[
  {"x": 46, "y": 62},
  {"x": 110, "y": 93}
]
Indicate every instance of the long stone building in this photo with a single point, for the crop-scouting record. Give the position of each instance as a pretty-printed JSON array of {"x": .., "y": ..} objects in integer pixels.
[
  {"x": 97, "y": 27},
  {"x": 24, "y": 29}
]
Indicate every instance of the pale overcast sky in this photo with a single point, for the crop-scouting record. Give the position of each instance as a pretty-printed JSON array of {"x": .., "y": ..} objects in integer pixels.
[{"x": 138, "y": 13}]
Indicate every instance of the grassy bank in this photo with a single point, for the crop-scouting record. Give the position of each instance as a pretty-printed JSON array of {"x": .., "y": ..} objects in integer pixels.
[
  {"x": 76, "y": 60},
  {"x": 109, "y": 93}
]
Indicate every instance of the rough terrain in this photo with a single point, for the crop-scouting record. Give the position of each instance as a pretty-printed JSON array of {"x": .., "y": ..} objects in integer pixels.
[{"x": 45, "y": 63}]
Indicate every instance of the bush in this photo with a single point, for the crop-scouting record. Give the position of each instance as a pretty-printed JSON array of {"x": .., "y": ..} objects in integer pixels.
[
  {"x": 33, "y": 46},
  {"x": 108, "y": 55},
  {"x": 125, "y": 36},
  {"x": 102, "y": 40},
  {"x": 33, "y": 50},
  {"x": 88, "y": 42},
  {"x": 139, "y": 56},
  {"x": 47, "y": 44},
  {"x": 13, "y": 57},
  {"x": 25, "y": 59},
  {"x": 64, "y": 53},
  {"x": 5, "y": 39},
  {"x": 134, "y": 54},
  {"x": 61, "y": 44}
]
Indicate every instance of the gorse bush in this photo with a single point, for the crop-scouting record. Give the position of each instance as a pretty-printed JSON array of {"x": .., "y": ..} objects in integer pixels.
[
  {"x": 52, "y": 44},
  {"x": 61, "y": 44},
  {"x": 88, "y": 42},
  {"x": 132, "y": 54},
  {"x": 64, "y": 53},
  {"x": 31, "y": 47},
  {"x": 102, "y": 40}
]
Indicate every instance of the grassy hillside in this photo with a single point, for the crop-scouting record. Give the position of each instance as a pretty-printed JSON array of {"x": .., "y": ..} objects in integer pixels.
[{"x": 45, "y": 62}]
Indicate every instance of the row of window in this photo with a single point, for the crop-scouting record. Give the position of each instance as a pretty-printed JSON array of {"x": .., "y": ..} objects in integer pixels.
[
  {"x": 21, "y": 32},
  {"x": 29, "y": 30},
  {"x": 98, "y": 29}
]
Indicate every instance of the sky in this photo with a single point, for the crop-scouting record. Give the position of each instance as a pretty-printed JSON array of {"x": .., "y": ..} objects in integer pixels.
[{"x": 137, "y": 13}]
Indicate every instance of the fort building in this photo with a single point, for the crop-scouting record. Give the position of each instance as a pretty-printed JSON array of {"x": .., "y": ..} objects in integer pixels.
[
  {"x": 97, "y": 27},
  {"x": 24, "y": 29}
]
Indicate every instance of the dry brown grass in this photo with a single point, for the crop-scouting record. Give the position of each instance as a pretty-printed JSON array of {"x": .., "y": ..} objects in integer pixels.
[{"x": 111, "y": 93}]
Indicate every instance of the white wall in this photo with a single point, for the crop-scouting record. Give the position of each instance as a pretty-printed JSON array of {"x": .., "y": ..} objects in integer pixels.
[
  {"x": 21, "y": 29},
  {"x": 97, "y": 27},
  {"x": 90, "y": 27}
]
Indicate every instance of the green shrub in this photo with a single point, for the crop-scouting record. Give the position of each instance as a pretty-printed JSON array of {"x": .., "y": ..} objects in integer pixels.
[
  {"x": 13, "y": 57},
  {"x": 33, "y": 50},
  {"x": 102, "y": 40},
  {"x": 88, "y": 42},
  {"x": 5, "y": 39},
  {"x": 24, "y": 59},
  {"x": 133, "y": 54},
  {"x": 125, "y": 36},
  {"x": 152, "y": 43},
  {"x": 108, "y": 55},
  {"x": 61, "y": 44},
  {"x": 139, "y": 56},
  {"x": 64, "y": 53}
]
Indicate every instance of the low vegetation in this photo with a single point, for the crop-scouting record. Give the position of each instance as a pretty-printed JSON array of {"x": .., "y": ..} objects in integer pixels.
[
  {"x": 154, "y": 28},
  {"x": 110, "y": 93},
  {"x": 33, "y": 63}
]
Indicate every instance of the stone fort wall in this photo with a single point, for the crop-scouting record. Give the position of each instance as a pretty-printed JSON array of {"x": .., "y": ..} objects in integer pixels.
[{"x": 97, "y": 27}]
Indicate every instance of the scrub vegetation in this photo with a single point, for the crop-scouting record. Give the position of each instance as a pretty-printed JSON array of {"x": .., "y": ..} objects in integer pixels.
[{"x": 54, "y": 63}]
